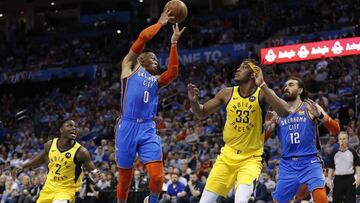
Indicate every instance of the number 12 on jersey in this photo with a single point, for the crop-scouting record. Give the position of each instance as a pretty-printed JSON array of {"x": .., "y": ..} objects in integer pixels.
[{"x": 295, "y": 138}]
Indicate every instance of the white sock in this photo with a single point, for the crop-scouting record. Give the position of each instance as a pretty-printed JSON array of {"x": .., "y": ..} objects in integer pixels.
[
  {"x": 61, "y": 201},
  {"x": 208, "y": 197}
]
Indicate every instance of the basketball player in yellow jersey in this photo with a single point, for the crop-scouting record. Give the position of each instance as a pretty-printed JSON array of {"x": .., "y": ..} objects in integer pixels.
[
  {"x": 240, "y": 158},
  {"x": 66, "y": 158}
]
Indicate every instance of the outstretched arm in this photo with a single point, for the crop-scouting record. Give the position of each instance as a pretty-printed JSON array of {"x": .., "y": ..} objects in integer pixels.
[
  {"x": 38, "y": 160},
  {"x": 214, "y": 104},
  {"x": 84, "y": 157},
  {"x": 130, "y": 60},
  {"x": 173, "y": 67},
  {"x": 279, "y": 105}
]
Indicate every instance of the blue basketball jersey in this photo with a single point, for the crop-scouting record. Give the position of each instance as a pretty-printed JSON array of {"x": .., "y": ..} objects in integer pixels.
[
  {"x": 139, "y": 95},
  {"x": 297, "y": 134}
]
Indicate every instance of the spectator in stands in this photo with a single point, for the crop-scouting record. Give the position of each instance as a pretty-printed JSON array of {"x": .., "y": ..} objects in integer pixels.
[
  {"x": 269, "y": 184},
  {"x": 175, "y": 191},
  {"x": 103, "y": 183},
  {"x": 139, "y": 183},
  {"x": 194, "y": 188},
  {"x": 261, "y": 194},
  {"x": 349, "y": 117}
]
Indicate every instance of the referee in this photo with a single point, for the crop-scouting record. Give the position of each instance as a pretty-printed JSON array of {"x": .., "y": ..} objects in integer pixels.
[{"x": 343, "y": 164}]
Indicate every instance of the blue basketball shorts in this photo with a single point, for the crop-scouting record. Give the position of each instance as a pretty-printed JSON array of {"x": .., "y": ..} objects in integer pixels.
[
  {"x": 136, "y": 137},
  {"x": 294, "y": 172}
]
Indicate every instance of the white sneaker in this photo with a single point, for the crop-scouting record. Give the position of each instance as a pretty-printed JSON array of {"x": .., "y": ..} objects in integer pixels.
[{"x": 146, "y": 199}]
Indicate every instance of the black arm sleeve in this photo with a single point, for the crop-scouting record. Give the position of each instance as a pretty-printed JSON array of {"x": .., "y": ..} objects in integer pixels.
[
  {"x": 356, "y": 158},
  {"x": 332, "y": 161}
]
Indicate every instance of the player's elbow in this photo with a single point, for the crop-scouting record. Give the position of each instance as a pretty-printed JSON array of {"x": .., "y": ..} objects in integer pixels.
[{"x": 336, "y": 129}]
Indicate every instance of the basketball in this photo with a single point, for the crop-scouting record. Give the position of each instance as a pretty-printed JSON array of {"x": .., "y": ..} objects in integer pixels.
[{"x": 178, "y": 10}]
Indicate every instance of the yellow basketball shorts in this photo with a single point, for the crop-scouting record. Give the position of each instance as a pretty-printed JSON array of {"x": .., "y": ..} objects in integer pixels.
[
  {"x": 48, "y": 195},
  {"x": 233, "y": 165}
]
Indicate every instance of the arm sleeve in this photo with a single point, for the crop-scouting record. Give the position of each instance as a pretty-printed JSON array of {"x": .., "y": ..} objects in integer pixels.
[
  {"x": 356, "y": 158},
  {"x": 331, "y": 125},
  {"x": 145, "y": 35},
  {"x": 173, "y": 67}
]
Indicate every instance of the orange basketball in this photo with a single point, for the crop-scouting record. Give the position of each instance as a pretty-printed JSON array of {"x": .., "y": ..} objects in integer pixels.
[{"x": 178, "y": 10}]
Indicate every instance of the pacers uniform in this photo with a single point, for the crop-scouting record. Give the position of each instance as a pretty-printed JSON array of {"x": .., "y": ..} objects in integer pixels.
[
  {"x": 64, "y": 176},
  {"x": 135, "y": 130},
  {"x": 240, "y": 158},
  {"x": 299, "y": 163}
]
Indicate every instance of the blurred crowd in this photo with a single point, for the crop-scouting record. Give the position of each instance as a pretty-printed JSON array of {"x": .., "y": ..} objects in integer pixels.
[{"x": 249, "y": 22}]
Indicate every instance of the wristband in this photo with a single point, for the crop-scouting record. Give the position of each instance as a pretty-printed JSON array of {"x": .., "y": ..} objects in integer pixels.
[{"x": 262, "y": 85}]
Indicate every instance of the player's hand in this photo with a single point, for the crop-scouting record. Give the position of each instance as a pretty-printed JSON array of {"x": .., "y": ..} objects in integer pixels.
[
  {"x": 165, "y": 16},
  {"x": 314, "y": 109},
  {"x": 94, "y": 175},
  {"x": 331, "y": 184},
  {"x": 193, "y": 93},
  {"x": 357, "y": 182},
  {"x": 176, "y": 33},
  {"x": 259, "y": 77}
]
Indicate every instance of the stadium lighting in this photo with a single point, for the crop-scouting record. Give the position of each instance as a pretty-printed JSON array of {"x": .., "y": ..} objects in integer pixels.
[
  {"x": 118, "y": 32},
  {"x": 52, "y": 3},
  {"x": 141, "y": 1},
  {"x": 1, "y": 15}
]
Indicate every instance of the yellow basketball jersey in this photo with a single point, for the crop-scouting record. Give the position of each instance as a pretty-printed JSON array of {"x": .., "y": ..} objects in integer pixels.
[
  {"x": 64, "y": 172},
  {"x": 244, "y": 119}
]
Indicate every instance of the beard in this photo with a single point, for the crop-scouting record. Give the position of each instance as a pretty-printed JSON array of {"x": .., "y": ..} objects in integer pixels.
[{"x": 288, "y": 97}]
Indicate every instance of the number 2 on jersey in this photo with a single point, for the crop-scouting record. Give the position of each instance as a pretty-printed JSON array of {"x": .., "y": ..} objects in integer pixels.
[
  {"x": 58, "y": 169},
  {"x": 146, "y": 96},
  {"x": 295, "y": 138}
]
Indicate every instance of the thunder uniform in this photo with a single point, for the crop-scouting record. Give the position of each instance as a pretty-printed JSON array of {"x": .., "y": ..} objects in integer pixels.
[
  {"x": 64, "y": 176},
  {"x": 299, "y": 163},
  {"x": 240, "y": 158},
  {"x": 135, "y": 130}
]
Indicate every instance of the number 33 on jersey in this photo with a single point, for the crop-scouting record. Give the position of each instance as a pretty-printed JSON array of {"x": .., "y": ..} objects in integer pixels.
[{"x": 244, "y": 118}]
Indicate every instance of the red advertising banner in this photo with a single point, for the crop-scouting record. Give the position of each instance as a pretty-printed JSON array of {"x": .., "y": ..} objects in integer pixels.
[{"x": 310, "y": 51}]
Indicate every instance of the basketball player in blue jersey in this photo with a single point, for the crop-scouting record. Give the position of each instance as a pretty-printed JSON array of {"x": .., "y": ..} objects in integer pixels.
[
  {"x": 298, "y": 136},
  {"x": 135, "y": 129}
]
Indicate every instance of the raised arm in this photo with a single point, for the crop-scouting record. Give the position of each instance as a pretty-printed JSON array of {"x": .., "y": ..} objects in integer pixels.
[
  {"x": 130, "y": 60},
  {"x": 211, "y": 106},
  {"x": 173, "y": 67},
  {"x": 38, "y": 160},
  {"x": 268, "y": 95},
  {"x": 317, "y": 112}
]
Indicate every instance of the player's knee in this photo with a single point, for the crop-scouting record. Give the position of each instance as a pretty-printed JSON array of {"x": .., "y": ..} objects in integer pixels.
[
  {"x": 320, "y": 195},
  {"x": 243, "y": 193},
  {"x": 156, "y": 181}
]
